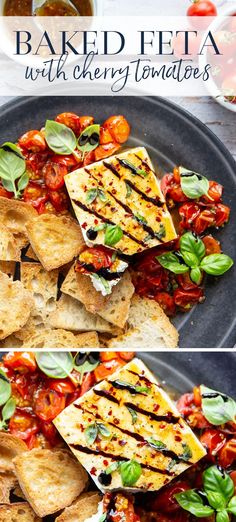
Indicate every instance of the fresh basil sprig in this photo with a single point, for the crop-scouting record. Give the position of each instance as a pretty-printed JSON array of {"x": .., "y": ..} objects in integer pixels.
[
  {"x": 95, "y": 429},
  {"x": 7, "y": 412},
  {"x": 217, "y": 408},
  {"x": 113, "y": 234},
  {"x": 130, "y": 471},
  {"x": 89, "y": 138},
  {"x": 193, "y": 185},
  {"x": 218, "y": 490},
  {"x": 191, "y": 258},
  {"x": 13, "y": 173},
  {"x": 57, "y": 365}
]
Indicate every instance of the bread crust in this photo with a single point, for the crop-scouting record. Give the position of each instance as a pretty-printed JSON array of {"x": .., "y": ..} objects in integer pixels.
[{"x": 16, "y": 304}]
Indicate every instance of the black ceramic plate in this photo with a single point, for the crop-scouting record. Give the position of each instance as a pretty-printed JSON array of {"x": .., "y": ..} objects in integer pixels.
[{"x": 172, "y": 136}]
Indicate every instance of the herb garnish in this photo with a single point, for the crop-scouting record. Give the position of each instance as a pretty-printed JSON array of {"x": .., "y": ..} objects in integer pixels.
[
  {"x": 187, "y": 452},
  {"x": 93, "y": 194},
  {"x": 217, "y": 408},
  {"x": 13, "y": 173},
  {"x": 133, "y": 414},
  {"x": 156, "y": 444},
  {"x": 113, "y": 234},
  {"x": 135, "y": 170},
  {"x": 57, "y": 365},
  {"x": 193, "y": 184},
  {"x": 130, "y": 387},
  {"x": 130, "y": 471},
  {"x": 8, "y": 402},
  {"x": 95, "y": 429},
  {"x": 89, "y": 138}
]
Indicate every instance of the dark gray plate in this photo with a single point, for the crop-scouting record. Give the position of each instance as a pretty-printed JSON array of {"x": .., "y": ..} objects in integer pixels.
[{"x": 172, "y": 136}]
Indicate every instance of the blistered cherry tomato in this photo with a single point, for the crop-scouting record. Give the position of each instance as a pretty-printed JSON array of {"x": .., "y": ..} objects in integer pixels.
[
  {"x": 165, "y": 501},
  {"x": 61, "y": 386},
  {"x": 85, "y": 121},
  {"x": 227, "y": 455},
  {"x": 107, "y": 368},
  {"x": 166, "y": 183},
  {"x": 166, "y": 301},
  {"x": 20, "y": 361},
  {"x": 185, "y": 404},
  {"x": 35, "y": 162},
  {"x": 5, "y": 194},
  {"x": 33, "y": 141},
  {"x": 23, "y": 424},
  {"x": 213, "y": 440},
  {"x": 127, "y": 356},
  {"x": 197, "y": 420},
  {"x": 197, "y": 396},
  {"x": 104, "y": 151},
  {"x": 221, "y": 215},
  {"x": 89, "y": 158},
  {"x": 105, "y": 136},
  {"x": 50, "y": 432},
  {"x": 212, "y": 245},
  {"x": 59, "y": 200},
  {"x": 205, "y": 220},
  {"x": 54, "y": 175},
  {"x": 48, "y": 404},
  {"x": 186, "y": 299},
  {"x": 185, "y": 282},
  {"x": 214, "y": 194},
  {"x": 35, "y": 194},
  {"x": 99, "y": 257},
  {"x": 118, "y": 127},
  {"x": 177, "y": 194},
  {"x": 71, "y": 120},
  {"x": 87, "y": 383},
  {"x": 68, "y": 161},
  {"x": 188, "y": 213}
]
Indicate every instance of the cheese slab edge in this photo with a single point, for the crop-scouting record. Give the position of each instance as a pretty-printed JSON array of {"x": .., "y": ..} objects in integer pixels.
[
  {"x": 134, "y": 202},
  {"x": 157, "y": 419}
]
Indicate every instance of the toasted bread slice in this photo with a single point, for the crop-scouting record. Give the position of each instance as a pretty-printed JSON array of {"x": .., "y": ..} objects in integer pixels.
[
  {"x": 19, "y": 512},
  {"x": 72, "y": 315},
  {"x": 9, "y": 251},
  {"x": 15, "y": 306},
  {"x": 31, "y": 254},
  {"x": 7, "y": 482},
  {"x": 149, "y": 326},
  {"x": 56, "y": 240},
  {"x": 82, "y": 509},
  {"x": 50, "y": 480},
  {"x": 79, "y": 286},
  {"x": 116, "y": 310},
  {"x": 10, "y": 447},
  {"x": 11, "y": 342},
  {"x": 8, "y": 267},
  {"x": 61, "y": 339},
  {"x": 42, "y": 285},
  {"x": 15, "y": 214}
]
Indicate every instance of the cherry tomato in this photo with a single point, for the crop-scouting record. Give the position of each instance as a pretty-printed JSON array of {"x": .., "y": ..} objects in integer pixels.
[
  {"x": 33, "y": 141},
  {"x": 205, "y": 220},
  {"x": 222, "y": 215},
  {"x": 87, "y": 383},
  {"x": 213, "y": 440},
  {"x": 186, "y": 299},
  {"x": 227, "y": 455},
  {"x": 212, "y": 245},
  {"x": 89, "y": 158},
  {"x": 185, "y": 404},
  {"x": 118, "y": 127},
  {"x": 197, "y": 420},
  {"x": 166, "y": 183},
  {"x": 85, "y": 121},
  {"x": 20, "y": 361},
  {"x": 104, "y": 151},
  {"x": 188, "y": 213},
  {"x": 202, "y": 8},
  {"x": 197, "y": 396},
  {"x": 99, "y": 257},
  {"x": 54, "y": 175},
  {"x": 71, "y": 120},
  {"x": 108, "y": 356},
  {"x": 126, "y": 356},
  {"x": 177, "y": 194},
  {"x": 185, "y": 282},
  {"x": 107, "y": 368},
  {"x": 68, "y": 161},
  {"x": 23, "y": 424},
  {"x": 214, "y": 194},
  {"x": 165, "y": 500},
  {"x": 105, "y": 136},
  {"x": 48, "y": 404},
  {"x": 61, "y": 386},
  {"x": 5, "y": 194},
  {"x": 34, "y": 163},
  {"x": 35, "y": 195},
  {"x": 50, "y": 432},
  {"x": 59, "y": 199},
  {"x": 166, "y": 301}
]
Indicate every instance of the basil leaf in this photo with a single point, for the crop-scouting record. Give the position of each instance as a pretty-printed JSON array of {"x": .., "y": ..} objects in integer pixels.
[
  {"x": 89, "y": 138},
  {"x": 190, "y": 259},
  {"x": 113, "y": 467},
  {"x": 161, "y": 232},
  {"x": 142, "y": 389},
  {"x": 187, "y": 453},
  {"x": 12, "y": 167},
  {"x": 232, "y": 505},
  {"x": 91, "y": 196},
  {"x": 60, "y": 139},
  {"x": 217, "y": 408},
  {"x": 5, "y": 388},
  {"x": 113, "y": 235},
  {"x": 130, "y": 472},
  {"x": 133, "y": 168},
  {"x": 91, "y": 433},
  {"x": 193, "y": 503},
  {"x": 193, "y": 185},
  {"x": 103, "y": 517},
  {"x": 216, "y": 500},
  {"x": 216, "y": 264},
  {"x": 156, "y": 444},
  {"x": 102, "y": 195},
  {"x": 55, "y": 364},
  {"x": 141, "y": 219},
  {"x": 86, "y": 367},
  {"x": 218, "y": 482},
  {"x": 196, "y": 275},
  {"x": 9, "y": 409},
  {"x": 172, "y": 263},
  {"x": 103, "y": 430},
  {"x": 192, "y": 244},
  {"x": 9, "y": 146},
  {"x": 133, "y": 414},
  {"x": 23, "y": 182},
  {"x": 222, "y": 516},
  {"x": 128, "y": 190}
]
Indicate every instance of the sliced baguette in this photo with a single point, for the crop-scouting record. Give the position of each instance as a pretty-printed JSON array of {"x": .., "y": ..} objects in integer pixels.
[
  {"x": 56, "y": 240},
  {"x": 82, "y": 509},
  {"x": 116, "y": 309},
  {"x": 15, "y": 306},
  {"x": 149, "y": 327},
  {"x": 9, "y": 250},
  {"x": 19, "y": 512},
  {"x": 10, "y": 447},
  {"x": 7, "y": 482},
  {"x": 50, "y": 480},
  {"x": 42, "y": 285},
  {"x": 30, "y": 254},
  {"x": 61, "y": 339},
  {"x": 8, "y": 267},
  {"x": 72, "y": 315},
  {"x": 79, "y": 286},
  {"x": 15, "y": 214}
]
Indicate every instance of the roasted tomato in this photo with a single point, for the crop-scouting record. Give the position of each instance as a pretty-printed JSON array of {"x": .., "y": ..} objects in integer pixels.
[
  {"x": 99, "y": 257},
  {"x": 63, "y": 386},
  {"x": 166, "y": 183},
  {"x": 35, "y": 195},
  {"x": 126, "y": 356},
  {"x": 188, "y": 213},
  {"x": 185, "y": 404},
  {"x": 187, "y": 299},
  {"x": 198, "y": 421},
  {"x": 59, "y": 200},
  {"x": 71, "y": 120},
  {"x": 48, "y": 404},
  {"x": 50, "y": 432},
  {"x": 35, "y": 162},
  {"x": 23, "y": 424},
  {"x": 213, "y": 440},
  {"x": 33, "y": 141},
  {"x": 214, "y": 194},
  {"x": 5, "y": 194},
  {"x": 68, "y": 161},
  {"x": 89, "y": 158},
  {"x": 185, "y": 282},
  {"x": 118, "y": 127},
  {"x": 54, "y": 175},
  {"x": 107, "y": 368},
  {"x": 21, "y": 361},
  {"x": 165, "y": 501},
  {"x": 85, "y": 121},
  {"x": 227, "y": 455},
  {"x": 87, "y": 383},
  {"x": 166, "y": 301},
  {"x": 211, "y": 244},
  {"x": 104, "y": 151},
  {"x": 105, "y": 136},
  {"x": 221, "y": 215},
  {"x": 205, "y": 219}
]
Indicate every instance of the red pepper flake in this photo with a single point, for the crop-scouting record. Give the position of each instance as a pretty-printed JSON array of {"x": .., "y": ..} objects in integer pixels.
[
  {"x": 96, "y": 222},
  {"x": 162, "y": 426},
  {"x": 158, "y": 219},
  {"x": 122, "y": 442},
  {"x": 156, "y": 407},
  {"x": 93, "y": 471},
  {"x": 178, "y": 438},
  {"x": 116, "y": 421},
  {"x": 114, "y": 191},
  {"x": 105, "y": 462},
  {"x": 148, "y": 190},
  {"x": 84, "y": 225}
]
